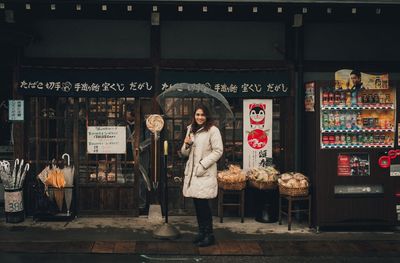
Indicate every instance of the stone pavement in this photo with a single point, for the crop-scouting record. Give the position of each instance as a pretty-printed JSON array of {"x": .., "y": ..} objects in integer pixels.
[
  {"x": 222, "y": 248},
  {"x": 133, "y": 236}
]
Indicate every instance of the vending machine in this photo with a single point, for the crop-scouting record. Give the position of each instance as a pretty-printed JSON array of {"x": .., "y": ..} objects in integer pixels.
[{"x": 350, "y": 153}]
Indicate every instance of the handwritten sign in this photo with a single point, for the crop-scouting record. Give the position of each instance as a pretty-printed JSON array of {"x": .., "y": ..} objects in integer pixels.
[
  {"x": 245, "y": 84},
  {"x": 13, "y": 201},
  {"x": 86, "y": 82},
  {"x": 106, "y": 140},
  {"x": 16, "y": 110}
]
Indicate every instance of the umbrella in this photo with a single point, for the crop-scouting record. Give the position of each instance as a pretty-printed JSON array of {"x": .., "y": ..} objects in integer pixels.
[
  {"x": 56, "y": 180},
  {"x": 15, "y": 179},
  {"x": 215, "y": 101},
  {"x": 44, "y": 174},
  {"x": 68, "y": 171}
]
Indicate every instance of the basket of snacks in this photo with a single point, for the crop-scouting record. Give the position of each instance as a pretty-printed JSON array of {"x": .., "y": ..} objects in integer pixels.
[
  {"x": 293, "y": 184},
  {"x": 263, "y": 178},
  {"x": 232, "y": 179}
]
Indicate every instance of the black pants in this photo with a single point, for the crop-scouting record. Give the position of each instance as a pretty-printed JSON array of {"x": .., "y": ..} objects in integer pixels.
[{"x": 203, "y": 214}]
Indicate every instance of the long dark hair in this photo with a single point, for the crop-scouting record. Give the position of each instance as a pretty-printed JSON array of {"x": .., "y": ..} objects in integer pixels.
[{"x": 209, "y": 120}]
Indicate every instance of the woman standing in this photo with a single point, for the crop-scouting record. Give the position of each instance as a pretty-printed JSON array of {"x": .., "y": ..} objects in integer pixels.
[{"x": 203, "y": 145}]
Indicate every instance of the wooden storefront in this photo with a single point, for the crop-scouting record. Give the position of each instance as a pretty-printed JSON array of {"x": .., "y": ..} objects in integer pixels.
[{"x": 187, "y": 38}]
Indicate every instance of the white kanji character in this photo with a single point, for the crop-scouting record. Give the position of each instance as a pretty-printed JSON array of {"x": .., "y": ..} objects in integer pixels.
[
  {"x": 224, "y": 88},
  {"x": 245, "y": 87},
  {"x": 50, "y": 85},
  {"x": 57, "y": 85},
  {"x": 86, "y": 87},
  {"x": 105, "y": 86}
]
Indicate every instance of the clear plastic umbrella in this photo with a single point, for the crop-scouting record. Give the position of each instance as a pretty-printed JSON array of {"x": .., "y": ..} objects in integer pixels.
[{"x": 176, "y": 97}]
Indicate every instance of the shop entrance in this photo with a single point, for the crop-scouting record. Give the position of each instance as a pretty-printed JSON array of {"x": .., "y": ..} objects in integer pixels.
[
  {"x": 104, "y": 183},
  {"x": 232, "y": 135}
]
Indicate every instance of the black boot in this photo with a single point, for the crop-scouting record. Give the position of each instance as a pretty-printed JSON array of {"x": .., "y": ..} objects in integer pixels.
[
  {"x": 200, "y": 236},
  {"x": 208, "y": 239}
]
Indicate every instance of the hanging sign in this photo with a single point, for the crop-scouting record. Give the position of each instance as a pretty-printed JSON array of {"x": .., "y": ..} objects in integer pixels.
[
  {"x": 244, "y": 84},
  {"x": 86, "y": 82},
  {"x": 16, "y": 110},
  {"x": 106, "y": 140},
  {"x": 257, "y": 133}
]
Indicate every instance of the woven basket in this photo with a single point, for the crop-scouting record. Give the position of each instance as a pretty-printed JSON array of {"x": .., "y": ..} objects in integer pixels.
[
  {"x": 293, "y": 191},
  {"x": 232, "y": 186},
  {"x": 263, "y": 185}
]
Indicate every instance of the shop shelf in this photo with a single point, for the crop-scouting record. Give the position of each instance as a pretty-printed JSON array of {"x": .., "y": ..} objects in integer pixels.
[
  {"x": 357, "y": 130},
  {"x": 357, "y": 107},
  {"x": 357, "y": 146}
]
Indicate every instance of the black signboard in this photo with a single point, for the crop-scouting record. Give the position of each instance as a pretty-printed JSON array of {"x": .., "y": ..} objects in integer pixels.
[
  {"x": 86, "y": 82},
  {"x": 244, "y": 84}
]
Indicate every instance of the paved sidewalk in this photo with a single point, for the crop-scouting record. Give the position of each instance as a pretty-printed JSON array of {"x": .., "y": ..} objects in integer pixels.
[
  {"x": 127, "y": 235},
  {"x": 222, "y": 248}
]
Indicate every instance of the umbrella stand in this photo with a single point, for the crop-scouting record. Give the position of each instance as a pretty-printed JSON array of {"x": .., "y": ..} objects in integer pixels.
[{"x": 166, "y": 230}]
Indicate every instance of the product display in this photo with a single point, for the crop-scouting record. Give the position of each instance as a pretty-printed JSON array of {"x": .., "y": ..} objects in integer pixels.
[
  {"x": 293, "y": 180},
  {"x": 263, "y": 177},
  {"x": 263, "y": 174},
  {"x": 357, "y": 118},
  {"x": 293, "y": 184},
  {"x": 234, "y": 174}
]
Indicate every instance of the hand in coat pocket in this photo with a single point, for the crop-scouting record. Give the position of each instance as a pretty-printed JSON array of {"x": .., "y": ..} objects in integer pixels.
[{"x": 200, "y": 170}]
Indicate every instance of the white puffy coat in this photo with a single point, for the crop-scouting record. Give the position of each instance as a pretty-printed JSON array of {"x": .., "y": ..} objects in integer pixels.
[{"x": 201, "y": 168}]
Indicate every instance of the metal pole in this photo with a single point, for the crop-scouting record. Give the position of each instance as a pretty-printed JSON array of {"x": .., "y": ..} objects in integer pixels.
[
  {"x": 166, "y": 180},
  {"x": 166, "y": 231}
]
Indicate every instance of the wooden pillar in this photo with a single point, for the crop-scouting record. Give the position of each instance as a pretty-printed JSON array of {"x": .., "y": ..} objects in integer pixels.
[
  {"x": 155, "y": 56},
  {"x": 18, "y": 127}
]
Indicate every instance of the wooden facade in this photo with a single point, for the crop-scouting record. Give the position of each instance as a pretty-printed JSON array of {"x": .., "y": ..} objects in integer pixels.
[{"x": 159, "y": 49}]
